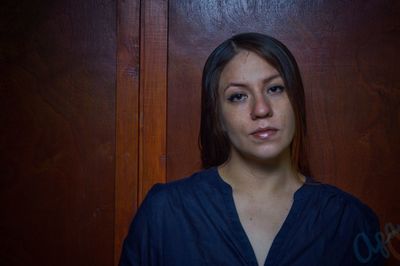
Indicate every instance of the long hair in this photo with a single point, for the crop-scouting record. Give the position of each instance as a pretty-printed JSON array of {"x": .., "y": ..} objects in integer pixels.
[{"x": 213, "y": 141}]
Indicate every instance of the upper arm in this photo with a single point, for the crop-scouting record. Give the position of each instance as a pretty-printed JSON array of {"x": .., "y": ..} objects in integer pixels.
[
  {"x": 140, "y": 245},
  {"x": 368, "y": 243}
]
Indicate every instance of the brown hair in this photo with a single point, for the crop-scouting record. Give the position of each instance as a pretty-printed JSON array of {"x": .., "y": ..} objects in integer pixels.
[{"x": 214, "y": 143}]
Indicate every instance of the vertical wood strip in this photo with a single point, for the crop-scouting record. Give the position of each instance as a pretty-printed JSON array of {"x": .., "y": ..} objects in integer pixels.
[
  {"x": 153, "y": 94},
  {"x": 127, "y": 119}
]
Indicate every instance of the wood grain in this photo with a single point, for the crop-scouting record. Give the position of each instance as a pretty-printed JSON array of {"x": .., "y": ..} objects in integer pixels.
[
  {"x": 58, "y": 132},
  {"x": 127, "y": 118},
  {"x": 153, "y": 95},
  {"x": 101, "y": 100}
]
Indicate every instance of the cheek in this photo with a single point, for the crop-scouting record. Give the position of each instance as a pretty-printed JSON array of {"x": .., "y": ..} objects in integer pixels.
[
  {"x": 232, "y": 123},
  {"x": 223, "y": 121},
  {"x": 286, "y": 116},
  {"x": 290, "y": 122}
]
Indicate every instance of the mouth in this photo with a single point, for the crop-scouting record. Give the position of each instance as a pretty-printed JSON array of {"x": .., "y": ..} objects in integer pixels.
[{"x": 264, "y": 133}]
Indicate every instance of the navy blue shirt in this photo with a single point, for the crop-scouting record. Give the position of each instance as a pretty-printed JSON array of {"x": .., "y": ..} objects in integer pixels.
[{"x": 194, "y": 221}]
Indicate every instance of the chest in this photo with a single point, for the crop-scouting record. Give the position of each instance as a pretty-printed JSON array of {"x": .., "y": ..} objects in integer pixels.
[{"x": 262, "y": 221}]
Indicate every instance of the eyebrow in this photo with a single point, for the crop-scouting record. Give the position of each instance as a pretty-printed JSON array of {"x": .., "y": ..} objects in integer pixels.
[{"x": 267, "y": 80}]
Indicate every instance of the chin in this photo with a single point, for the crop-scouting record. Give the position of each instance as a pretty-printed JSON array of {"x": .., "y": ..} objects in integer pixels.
[{"x": 264, "y": 155}]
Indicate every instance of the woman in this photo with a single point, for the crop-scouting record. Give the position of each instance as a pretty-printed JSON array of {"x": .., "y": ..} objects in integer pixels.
[{"x": 254, "y": 204}]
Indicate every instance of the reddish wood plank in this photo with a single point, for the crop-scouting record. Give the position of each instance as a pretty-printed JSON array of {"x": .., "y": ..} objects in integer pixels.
[
  {"x": 127, "y": 118},
  {"x": 58, "y": 132},
  {"x": 153, "y": 94}
]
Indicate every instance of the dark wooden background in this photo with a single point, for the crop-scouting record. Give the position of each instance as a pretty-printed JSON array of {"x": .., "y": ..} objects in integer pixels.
[
  {"x": 101, "y": 99},
  {"x": 57, "y": 132}
]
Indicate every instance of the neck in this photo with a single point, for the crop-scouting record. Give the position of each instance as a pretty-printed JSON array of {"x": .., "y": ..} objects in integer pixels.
[{"x": 270, "y": 177}]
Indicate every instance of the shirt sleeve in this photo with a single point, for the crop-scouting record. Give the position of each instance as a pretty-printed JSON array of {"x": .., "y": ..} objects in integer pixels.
[
  {"x": 355, "y": 232},
  {"x": 368, "y": 244},
  {"x": 365, "y": 246},
  {"x": 140, "y": 245}
]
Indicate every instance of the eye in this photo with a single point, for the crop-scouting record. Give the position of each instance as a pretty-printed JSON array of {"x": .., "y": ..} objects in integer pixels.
[
  {"x": 237, "y": 97},
  {"x": 276, "y": 89}
]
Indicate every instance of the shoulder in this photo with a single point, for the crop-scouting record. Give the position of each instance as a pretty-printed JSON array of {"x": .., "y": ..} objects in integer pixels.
[
  {"x": 176, "y": 192},
  {"x": 341, "y": 212},
  {"x": 350, "y": 224},
  {"x": 159, "y": 217},
  {"x": 345, "y": 202}
]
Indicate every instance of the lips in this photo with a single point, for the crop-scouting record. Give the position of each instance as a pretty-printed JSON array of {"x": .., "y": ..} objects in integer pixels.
[{"x": 264, "y": 133}]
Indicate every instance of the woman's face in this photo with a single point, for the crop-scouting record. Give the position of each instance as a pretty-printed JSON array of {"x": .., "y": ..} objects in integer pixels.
[{"x": 255, "y": 109}]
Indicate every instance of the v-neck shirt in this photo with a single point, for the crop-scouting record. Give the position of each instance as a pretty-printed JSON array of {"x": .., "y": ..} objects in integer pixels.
[{"x": 194, "y": 221}]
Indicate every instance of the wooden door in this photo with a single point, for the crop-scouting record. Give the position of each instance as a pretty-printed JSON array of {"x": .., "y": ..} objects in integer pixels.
[{"x": 57, "y": 87}]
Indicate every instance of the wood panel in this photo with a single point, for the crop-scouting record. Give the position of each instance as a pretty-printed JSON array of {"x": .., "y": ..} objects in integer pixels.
[
  {"x": 127, "y": 115},
  {"x": 141, "y": 107},
  {"x": 57, "y": 132},
  {"x": 347, "y": 52},
  {"x": 153, "y": 95},
  {"x": 58, "y": 114}
]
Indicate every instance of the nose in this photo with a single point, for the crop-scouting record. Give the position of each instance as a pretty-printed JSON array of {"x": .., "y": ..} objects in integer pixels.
[{"x": 261, "y": 108}]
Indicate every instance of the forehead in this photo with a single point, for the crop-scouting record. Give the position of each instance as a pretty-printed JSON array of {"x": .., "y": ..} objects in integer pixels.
[{"x": 247, "y": 66}]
